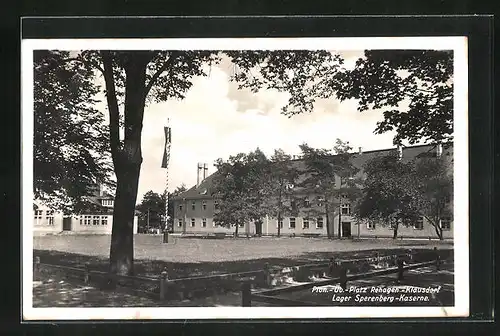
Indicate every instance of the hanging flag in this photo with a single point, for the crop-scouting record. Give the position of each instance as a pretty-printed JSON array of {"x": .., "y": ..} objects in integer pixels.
[{"x": 166, "y": 152}]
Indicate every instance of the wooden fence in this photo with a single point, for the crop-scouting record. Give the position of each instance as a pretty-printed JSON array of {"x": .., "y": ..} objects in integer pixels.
[
  {"x": 162, "y": 288},
  {"x": 270, "y": 296}
]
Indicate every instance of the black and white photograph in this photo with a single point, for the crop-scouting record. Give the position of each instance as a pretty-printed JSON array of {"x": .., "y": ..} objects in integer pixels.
[{"x": 245, "y": 178}]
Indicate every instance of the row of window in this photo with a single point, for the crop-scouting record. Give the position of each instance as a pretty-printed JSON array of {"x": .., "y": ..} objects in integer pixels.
[
  {"x": 49, "y": 217},
  {"x": 345, "y": 208},
  {"x": 292, "y": 221},
  {"x": 445, "y": 223},
  {"x": 94, "y": 220},
  {"x": 203, "y": 205},
  {"x": 107, "y": 202}
]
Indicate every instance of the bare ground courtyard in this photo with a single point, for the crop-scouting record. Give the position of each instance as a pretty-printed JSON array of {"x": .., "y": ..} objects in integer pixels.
[
  {"x": 186, "y": 257},
  {"x": 192, "y": 250}
]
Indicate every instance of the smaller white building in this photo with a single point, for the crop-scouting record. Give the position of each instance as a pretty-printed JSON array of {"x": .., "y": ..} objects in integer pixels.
[{"x": 48, "y": 221}]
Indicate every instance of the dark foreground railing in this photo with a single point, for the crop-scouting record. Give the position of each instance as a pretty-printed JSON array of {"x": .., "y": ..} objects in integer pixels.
[{"x": 270, "y": 296}]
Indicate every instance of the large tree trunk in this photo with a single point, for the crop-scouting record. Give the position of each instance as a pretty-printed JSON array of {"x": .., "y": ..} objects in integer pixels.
[
  {"x": 127, "y": 158},
  {"x": 122, "y": 234},
  {"x": 395, "y": 230},
  {"x": 279, "y": 225}
]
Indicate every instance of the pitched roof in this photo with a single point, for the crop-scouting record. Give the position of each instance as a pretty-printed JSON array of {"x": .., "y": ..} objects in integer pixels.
[
  {"x": 203, "y": 191},
  {"x": 198, "y": 192}
]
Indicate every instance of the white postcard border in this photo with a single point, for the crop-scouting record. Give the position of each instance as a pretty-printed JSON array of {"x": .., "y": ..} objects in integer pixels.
[{"x": 461, "y": 204}]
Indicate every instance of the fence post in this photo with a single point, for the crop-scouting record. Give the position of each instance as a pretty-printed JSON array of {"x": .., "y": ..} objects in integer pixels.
[
  {"x": 331, "y": 266},
  {"x": 246, "y": 294},
  {"x": 163, "y": 284},
  {"x": 343, "y": 277},
  {"x": 36, "y": 269},
  {"x": 400, "y": 263},
  {"x": 437, "y": 259},
  {"x": 86, "y": 276},
  {"x": 267, "y": 275}
]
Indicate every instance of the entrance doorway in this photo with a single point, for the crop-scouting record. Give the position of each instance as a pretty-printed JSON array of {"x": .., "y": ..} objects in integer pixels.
[
  {"x": 67, "y": 224},
  {"x": 346, "y": 229},
  {"x": 258, "y": 228}
]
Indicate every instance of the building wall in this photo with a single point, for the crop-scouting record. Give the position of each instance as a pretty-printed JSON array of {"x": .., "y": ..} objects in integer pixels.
[
  {"x": 270, "y": 225},
  {"x": 47, "y": 221},
  {"x": 100, "y": 224},
  {"x": 201, "y": 214},
  {"x": 85, "y": 224}
]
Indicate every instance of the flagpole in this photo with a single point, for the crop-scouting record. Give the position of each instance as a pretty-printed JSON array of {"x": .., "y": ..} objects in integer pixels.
[{"x": 165, "y": 162}]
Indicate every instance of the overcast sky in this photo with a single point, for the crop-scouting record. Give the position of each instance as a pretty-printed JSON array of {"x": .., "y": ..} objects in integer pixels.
[{"x": 217, "y": 120}]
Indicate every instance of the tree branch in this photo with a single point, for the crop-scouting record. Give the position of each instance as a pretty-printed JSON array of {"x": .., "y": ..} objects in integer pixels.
[
  {"x": 158, "y": 73},
  {"x": 84, "y": 62}
]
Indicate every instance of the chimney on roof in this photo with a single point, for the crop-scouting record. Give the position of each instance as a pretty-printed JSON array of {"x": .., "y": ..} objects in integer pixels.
[
  {"x": 199, "y": 167},
  {"x": 400, "y": 151},
  {"x": 205, "y": 169},
  {"x": 439, "y": 150},
  {"x": 360, "y": 150}
]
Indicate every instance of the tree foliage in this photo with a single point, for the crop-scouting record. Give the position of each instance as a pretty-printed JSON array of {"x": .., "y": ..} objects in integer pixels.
[
  {"x": 239, "y": 187},
  {"x": 151, "y": 211},
  {"x": 398, "y": 193},
  {"x": 71, "y": 140},
  {"x": 330, "y": 177},
  {"x": 435, "y": 188},
  {"x": 413, "y": 88},
  {"x": 389, "y": 196},
  {"x": 282, "y": 177}
]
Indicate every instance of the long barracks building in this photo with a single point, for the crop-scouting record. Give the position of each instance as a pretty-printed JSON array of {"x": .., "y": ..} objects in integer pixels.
[{"x": 194, "y": 209}]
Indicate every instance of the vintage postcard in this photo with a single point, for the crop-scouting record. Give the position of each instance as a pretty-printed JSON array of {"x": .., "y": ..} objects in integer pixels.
[{"x": 245, "y": 178}]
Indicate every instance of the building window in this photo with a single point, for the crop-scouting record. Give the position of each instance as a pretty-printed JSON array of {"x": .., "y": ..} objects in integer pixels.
[
  {"x": 445, "y": 223},
  {"x": 305, "y": 223},
  {"x": 292, "y": 223},
  {"x": 204, "y": 222},
  {"x": 179, "y": 223},
  {"x": 50, "y": 217},
  {"x": 319, "y": 223},
  {"x": 293, "y": 204},
  {"x": 104, "y": 220},
  {"x": 204, "y": 205},
  {"x": 280, "y": 223},
  {"x": 180, "y": 207},
  {"x": 370, "y": 226},
  {"x": 86, "y": 220},
  {"x": 38, "y": 217},
  {"x": 216, "y": 205},
  {"x": 193, "y": 222},
  {"x": 107, "y": 202},
  {"x": 419, "y": 224},
  {"x": 345, "y": 209},
  {"x": 193, "y": 205},
  {"x": 96, "y": 220}
]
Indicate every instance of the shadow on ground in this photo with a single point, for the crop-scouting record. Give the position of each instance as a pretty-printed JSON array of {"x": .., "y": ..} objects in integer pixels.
[{"x": 152, "y": 268}]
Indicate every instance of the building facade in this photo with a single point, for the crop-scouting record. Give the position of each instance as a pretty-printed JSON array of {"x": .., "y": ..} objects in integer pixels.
[
  {"x": 194, "y": 210},
  {"x": 98, "y": 221}
]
